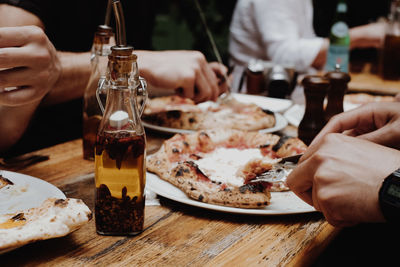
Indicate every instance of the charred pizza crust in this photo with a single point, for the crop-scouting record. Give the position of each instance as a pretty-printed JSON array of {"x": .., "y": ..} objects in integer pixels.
[
  {"x": 182, "y": 113},
  {"x": 175, "y": 163},
  {"x": 4, "y": 182},
  {"x": 54, "y": 218}
]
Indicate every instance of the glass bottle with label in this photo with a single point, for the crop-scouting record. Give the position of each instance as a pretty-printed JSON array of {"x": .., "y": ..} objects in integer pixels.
[
  {"x": 339, "y": 40},
  {"x": 120, "y": 151},
  {"x": 103, "y": 40}
]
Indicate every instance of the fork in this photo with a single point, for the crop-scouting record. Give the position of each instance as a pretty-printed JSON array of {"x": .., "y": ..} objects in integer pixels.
[{"x": 280, "y": 170}]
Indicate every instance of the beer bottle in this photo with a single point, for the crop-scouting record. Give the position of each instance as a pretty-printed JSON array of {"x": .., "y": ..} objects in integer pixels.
[{"x": 339, "y": 40}]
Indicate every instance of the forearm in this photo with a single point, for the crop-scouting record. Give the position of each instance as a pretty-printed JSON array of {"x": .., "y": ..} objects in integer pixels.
[
  {"x": 367, "y": 36},
  {"x": 75, "y": 73},
  {"x": 14, "y": 121}
]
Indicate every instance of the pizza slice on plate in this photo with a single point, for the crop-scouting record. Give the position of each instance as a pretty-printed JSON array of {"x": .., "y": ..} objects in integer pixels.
[
  {"x": 220, "y": 166},
  {"x": 54, "y": 218},
  {"x": 182, "y": 113}
]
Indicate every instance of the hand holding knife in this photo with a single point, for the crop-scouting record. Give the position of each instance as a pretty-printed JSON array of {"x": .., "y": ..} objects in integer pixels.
[{"x": 224, "y": 78}]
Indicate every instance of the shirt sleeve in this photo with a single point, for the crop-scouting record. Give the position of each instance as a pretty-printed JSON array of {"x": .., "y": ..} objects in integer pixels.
[{"x": 287, "y": 32}]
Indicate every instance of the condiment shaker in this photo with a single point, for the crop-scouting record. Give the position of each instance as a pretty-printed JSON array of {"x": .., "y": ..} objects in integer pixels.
[
  {"x": 315, "y": 89},
  {"x": 336, "y": 92}
]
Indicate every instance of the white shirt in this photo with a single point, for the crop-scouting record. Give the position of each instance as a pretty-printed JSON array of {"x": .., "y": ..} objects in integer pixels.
[{"x": 274, "y": 30}]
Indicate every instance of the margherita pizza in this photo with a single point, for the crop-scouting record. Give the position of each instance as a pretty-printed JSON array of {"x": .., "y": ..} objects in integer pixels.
[
  {"x": 221, "y": 166},
  {"x": 183, "y": 113}
]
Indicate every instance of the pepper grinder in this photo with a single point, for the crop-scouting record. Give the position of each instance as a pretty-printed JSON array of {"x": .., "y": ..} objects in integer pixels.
[
  {"x": 315, "y": 89},
  {"x": 336, "y": 91}
]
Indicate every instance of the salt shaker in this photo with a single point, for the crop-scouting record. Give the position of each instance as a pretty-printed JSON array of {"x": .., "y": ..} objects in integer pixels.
[
  {"x": 315, "y": 89},
  {"x": 336, "y": 91}
]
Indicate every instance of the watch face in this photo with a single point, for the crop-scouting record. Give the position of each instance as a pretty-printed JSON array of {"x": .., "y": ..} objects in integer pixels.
[
  {"x": 389, "y": 197},
  {"x": 394, "y": 190},
  {"x": 391, "y": 189}
]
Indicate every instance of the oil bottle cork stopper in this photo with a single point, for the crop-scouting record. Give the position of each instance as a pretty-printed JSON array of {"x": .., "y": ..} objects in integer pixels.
[{"x": 118, "y": 119}]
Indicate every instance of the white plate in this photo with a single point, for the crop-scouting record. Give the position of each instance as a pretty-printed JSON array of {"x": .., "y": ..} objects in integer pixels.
[
  {"x": 295, "y": 113},
  {"x": 27, "y": 192},
  {"x": 280, "y": 123},
  {"x": 281, "y": 202},
  {"x": 273, "y": 104}
]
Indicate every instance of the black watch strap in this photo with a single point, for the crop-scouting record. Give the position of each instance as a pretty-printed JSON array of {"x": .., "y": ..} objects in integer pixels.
[{"x": 389, "y": 197}]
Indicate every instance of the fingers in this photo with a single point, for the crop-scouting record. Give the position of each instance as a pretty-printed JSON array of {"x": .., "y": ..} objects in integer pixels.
[
  {"x": 212, "y": 82},
  {"x": 17, "y": 77},
  {"x": 203, "y": 92},
  {"x": 221, "y": 71},
  {"x": 21, "y": 96},
  {"x": 342, "y": 122},
  {"x": 386, "y": 136},
  {"x": 11, "y": 36},
  {"x": 300, "y": 181},
  {"x": 358, "y": 121},
  {"x": 201, "y": 82}
]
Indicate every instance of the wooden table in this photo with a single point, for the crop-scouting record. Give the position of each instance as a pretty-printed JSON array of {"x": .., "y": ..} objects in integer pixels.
[
  {"x": 175, "y": 234},
  {"x": 367, "y": 80}
]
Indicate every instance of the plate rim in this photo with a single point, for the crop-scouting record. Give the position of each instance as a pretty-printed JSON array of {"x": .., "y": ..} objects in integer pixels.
[
  {"x": 288, "y": 101},
  {"x": 186, "y": 200},
  {"x": 33, "y": 181},
  {"x": 278, "y": 117}
]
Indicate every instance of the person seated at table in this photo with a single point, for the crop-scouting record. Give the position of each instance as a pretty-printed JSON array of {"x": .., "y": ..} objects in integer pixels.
[
  {"x": 282, "y": 32},
  {"x": 48, "y": 65},
  {"x": 342, "y": 171}
]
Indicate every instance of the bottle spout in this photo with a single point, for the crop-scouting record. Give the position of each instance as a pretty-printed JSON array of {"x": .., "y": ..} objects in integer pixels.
[
  {"x": 107, "y": 18},
  {"x": 120, "y": 23}
]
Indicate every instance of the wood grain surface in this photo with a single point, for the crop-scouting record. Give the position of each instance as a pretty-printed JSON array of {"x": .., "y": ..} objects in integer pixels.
[
  {"x": 369, "y": 81},
  {"x": 175, "y": 234}
]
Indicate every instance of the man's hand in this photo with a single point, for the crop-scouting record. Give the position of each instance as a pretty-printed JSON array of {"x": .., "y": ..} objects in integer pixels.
[
  {"x": 187, "y": 72},
  {"x": 29, "y": 62},
  {"x": 341, "y": 175},
  {"x": 367, "y": 36},
  {"x": 375, "y": 122}
]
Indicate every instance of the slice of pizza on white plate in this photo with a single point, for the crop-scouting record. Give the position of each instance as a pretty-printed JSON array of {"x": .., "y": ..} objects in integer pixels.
[
  {"x": 54, "y": 218},
  {"x": 221, "y": 166},
  {"x": 24, "y": 220},
  {"x": 182, "y": 113}
]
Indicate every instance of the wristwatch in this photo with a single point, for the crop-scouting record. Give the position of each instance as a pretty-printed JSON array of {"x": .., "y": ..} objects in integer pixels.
[{"x": 389, "y": 197}]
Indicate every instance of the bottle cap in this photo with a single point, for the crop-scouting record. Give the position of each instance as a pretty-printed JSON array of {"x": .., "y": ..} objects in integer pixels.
[{"x": 118, "y": 119}]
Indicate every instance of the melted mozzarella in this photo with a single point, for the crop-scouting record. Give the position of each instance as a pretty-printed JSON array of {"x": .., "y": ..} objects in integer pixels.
[{"x": 222, "y": 164}]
